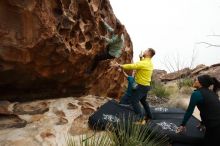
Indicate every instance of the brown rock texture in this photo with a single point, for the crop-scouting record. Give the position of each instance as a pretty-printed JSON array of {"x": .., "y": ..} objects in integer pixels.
[
  {"x": 198, "y": 69},
  {"x": 175, "y": 75},
  {"x": 30, "y": 108},
  {"x": 4, "y": 107},
  {"x": 46, "y": 46},
  {"x": 213, "y": 70},
  {"x": 11, "y": 121},
  {"x": 49, "y": 128},
  {"x": 157, "y": 73}
]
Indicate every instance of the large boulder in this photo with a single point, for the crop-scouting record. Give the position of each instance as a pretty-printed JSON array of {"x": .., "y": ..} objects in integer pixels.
[
  {"x": 157, "y": 73},
  {"x": 175, "y": 75},
  {"x": 47, "y": 46},
  {"x": 198, "y": 69},
  {"x": 214, "y": 70}
]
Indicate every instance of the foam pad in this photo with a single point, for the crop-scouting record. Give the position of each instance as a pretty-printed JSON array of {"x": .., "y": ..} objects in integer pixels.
[
  {"x": 110, "y": 112},
  {"x": 163, "y": 112},
  {"x": 166, "y": 110},
  {"x": 165, "y": 121},
  {"x": 167, "y": 113},
  {"x": 169, "y": 126}
]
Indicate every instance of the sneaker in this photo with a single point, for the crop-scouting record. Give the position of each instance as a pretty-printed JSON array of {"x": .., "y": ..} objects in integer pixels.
[
  {"x": 140, "y": 122},
  {"x": 147, "y": 119}
]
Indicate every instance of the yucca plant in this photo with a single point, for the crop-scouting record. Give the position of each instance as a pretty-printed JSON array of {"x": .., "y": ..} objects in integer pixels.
[
  {"x": 127, "y": 133},
  {"x": 124, "y": 133},
  {"x": 97, "y": 139}
]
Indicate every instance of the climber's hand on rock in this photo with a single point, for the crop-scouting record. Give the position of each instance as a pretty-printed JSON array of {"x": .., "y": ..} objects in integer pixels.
[
  {"x": 115, "y": 64},
  {"x": 118, "y": 65},
  {"x": 102, "y": 20},
  {"x": 102, "y": 37},
  {"x": 119, "y": 70},
  {"x": 112, "y": 64}
]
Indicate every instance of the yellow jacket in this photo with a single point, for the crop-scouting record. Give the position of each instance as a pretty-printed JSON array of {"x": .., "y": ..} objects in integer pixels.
[{"x": 144, "y": 70}]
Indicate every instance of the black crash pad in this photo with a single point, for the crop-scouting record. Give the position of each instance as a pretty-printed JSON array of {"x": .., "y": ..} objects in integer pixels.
[
  {"x": 163, "y": 112},
  {"x": 167, "y": 113},
  {"x": 169, "y": 126},
  {"x": 166, "y": 110},
  {"x": 111, "y": 112},
  {"x": 165, "y": 122}
]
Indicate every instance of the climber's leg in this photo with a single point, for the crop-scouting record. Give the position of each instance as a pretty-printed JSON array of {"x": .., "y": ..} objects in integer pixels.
[{"x": 99, "y": 57}]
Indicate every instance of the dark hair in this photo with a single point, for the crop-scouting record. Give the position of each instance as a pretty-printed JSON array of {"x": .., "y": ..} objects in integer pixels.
[
  {"x": 152, "y": 51},
  {"x": 206, "y": 81},
  {"x": 216, "y": 84}
]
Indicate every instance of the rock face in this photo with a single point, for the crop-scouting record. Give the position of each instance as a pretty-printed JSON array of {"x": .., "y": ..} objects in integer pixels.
[
  {"x": 48, "y": 46},
  {"x": 4, "y": 107},
  {"x": 175, "y": 75},
  {"x": 213, "y": 70},
  {"x": 65, "y": 117},
  {"x": 11, "y": 121},
  {"x": 28, "y": 108},
  {"x": 198, "y": 69},
  {"x": 157, "y": 74}
]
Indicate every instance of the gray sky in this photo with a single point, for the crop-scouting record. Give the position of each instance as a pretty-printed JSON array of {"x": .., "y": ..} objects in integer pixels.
[{"x": 172, "y": 28}]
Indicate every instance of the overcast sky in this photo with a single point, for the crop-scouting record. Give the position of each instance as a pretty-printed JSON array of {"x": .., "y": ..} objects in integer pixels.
[{"x": 172, "y": 28}]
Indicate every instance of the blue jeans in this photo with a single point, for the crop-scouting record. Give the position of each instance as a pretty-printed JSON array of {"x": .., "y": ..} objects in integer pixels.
[
  {"x": 139, "y": 95},
  {"x": 125, "y": 99}
]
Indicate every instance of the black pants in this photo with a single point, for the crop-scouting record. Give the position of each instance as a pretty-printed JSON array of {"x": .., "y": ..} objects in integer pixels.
[
  {"x": 99, "y": 57},
  {"x": 212, "y": 137},
  {"x": 139, "y": 95}
]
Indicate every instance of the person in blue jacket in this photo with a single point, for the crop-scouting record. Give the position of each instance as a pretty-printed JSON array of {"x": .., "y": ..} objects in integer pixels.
[
  {"x": 125, "y": 99},
  {"x": 208, "y": 103}
]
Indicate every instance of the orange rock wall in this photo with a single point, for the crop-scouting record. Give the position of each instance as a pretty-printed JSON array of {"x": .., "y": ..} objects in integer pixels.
[{"x": 47, "y": 45}]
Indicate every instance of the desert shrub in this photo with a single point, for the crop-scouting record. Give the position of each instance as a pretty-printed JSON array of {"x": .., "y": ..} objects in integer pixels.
[
  {"x": 185, "y": 82},
  {"x": 186, "y": 90},
  {"x": 159, "y": 90}
]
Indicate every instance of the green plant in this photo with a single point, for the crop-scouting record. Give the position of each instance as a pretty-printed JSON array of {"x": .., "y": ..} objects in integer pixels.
[
  {"x": 124, "y": 133},
  {"x": 101, "y": 139},
  {"x": 159, "y": 90},
  {"x": 185, "y": 82},
  {"x": 186, "y": 90}
]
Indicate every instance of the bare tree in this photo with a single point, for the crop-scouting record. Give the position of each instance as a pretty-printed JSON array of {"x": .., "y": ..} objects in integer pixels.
[
  {"x": 175, "y": 64},
  {"x": 210, "y": 44}
]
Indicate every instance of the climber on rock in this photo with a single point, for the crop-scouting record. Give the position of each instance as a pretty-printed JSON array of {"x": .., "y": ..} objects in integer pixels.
[
  {"x": 114, "y": 45},
  {"x": 144, "y": 70}
]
